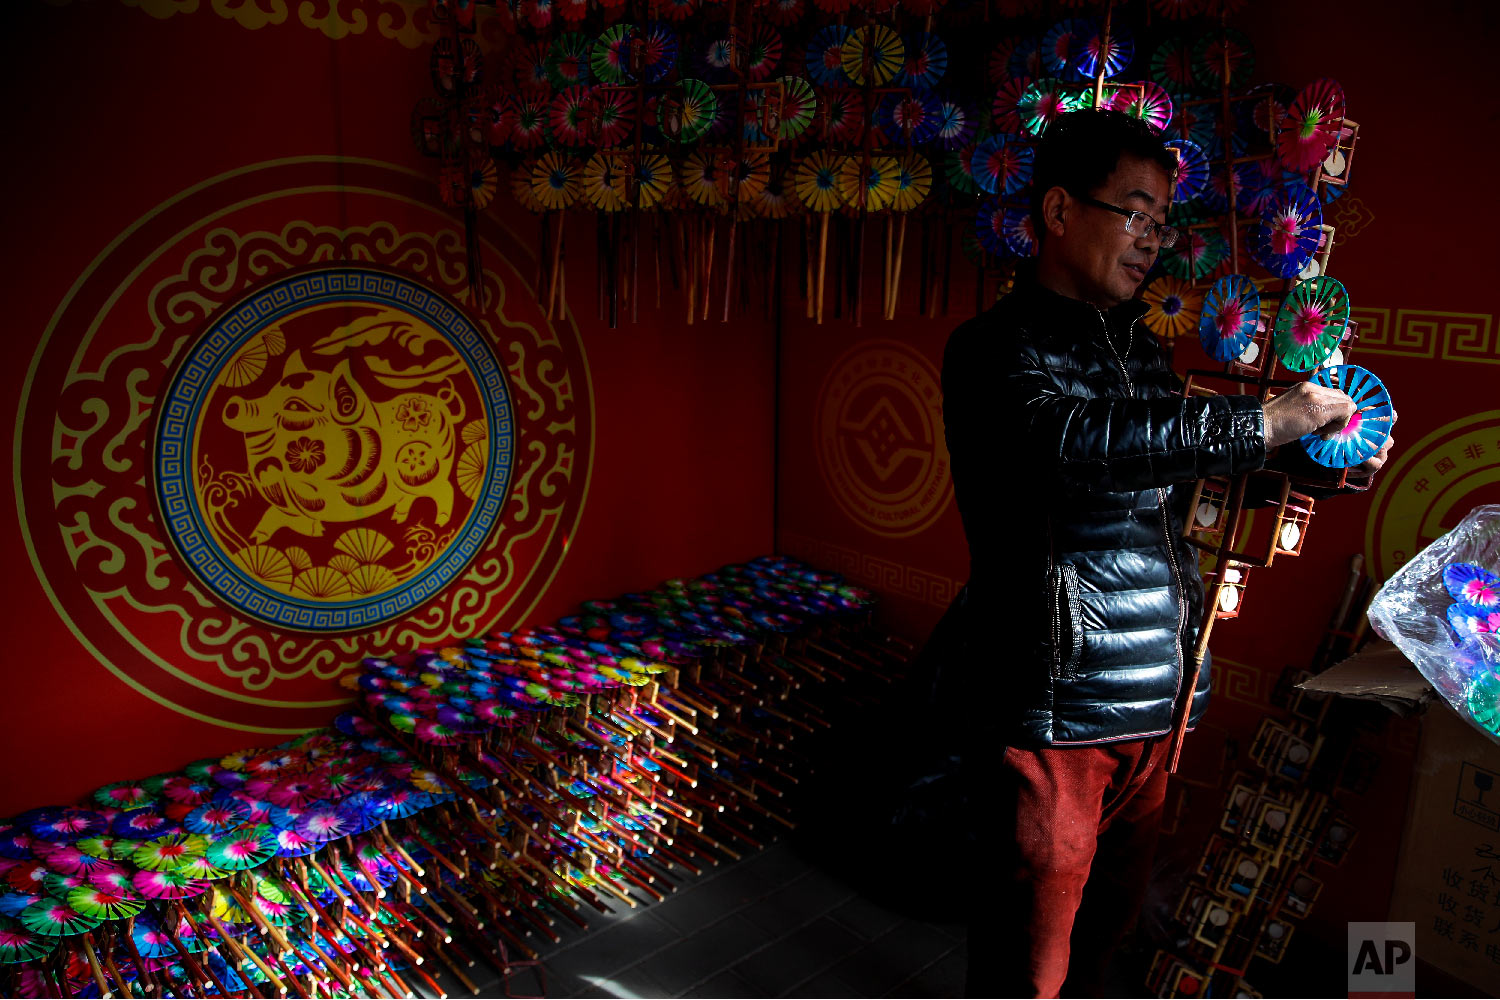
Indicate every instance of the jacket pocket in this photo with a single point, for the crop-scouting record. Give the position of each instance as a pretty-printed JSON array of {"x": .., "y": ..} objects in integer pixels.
[{"x": 1065, "y": 639}]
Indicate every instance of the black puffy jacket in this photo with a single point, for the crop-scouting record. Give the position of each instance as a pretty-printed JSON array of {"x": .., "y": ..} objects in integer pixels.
[{"x": 1071, "y": 449}]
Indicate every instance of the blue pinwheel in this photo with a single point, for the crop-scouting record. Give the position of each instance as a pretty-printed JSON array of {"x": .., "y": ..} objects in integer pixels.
[
  {"x": 1230, "y": 317},
  {"x": 1366, "y": 431},
  {"x": 1289, "y": 232}
]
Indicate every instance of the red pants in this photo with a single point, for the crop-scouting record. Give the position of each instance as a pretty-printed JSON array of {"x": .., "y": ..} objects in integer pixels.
[{"x": 1073, "y": 830}]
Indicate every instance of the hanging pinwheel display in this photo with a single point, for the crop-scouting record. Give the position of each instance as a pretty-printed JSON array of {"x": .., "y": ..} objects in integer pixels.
[
  {"x": 1230, "y": 317},
  {"x": 1366, "y": 431},
  {"x": 1289, "y": 232},
  {"x": 1173, "y": 307},
  {"x": 1311, "y": 323}
]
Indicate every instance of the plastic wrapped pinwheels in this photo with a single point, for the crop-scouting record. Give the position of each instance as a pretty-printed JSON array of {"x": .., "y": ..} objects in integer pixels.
[{"x": 1442, "y": 610}]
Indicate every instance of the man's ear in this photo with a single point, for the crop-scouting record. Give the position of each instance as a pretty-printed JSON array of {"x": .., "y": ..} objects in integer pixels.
[{"x": 1055, "y": 205}]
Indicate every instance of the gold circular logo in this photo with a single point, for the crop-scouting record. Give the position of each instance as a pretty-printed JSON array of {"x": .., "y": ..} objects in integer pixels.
[
  {"x": 880, "y": 439},
  {"x": 1430, "y": 488}
]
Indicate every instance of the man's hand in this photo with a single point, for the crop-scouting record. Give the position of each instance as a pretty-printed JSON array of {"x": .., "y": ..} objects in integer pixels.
[
  {"x": 1306, "y": 408},
  {"x": 1372, "y": 465}
]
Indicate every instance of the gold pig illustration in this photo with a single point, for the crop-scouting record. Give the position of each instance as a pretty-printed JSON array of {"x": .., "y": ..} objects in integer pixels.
[{"x": 321, "y": 450}]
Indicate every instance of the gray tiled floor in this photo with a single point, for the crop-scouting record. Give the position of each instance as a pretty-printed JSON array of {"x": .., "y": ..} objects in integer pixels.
[{"x": 770, "y": 925}]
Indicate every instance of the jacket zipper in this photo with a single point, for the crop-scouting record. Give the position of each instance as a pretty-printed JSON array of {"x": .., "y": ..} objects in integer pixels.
[{"x": 1166, "y": 518}]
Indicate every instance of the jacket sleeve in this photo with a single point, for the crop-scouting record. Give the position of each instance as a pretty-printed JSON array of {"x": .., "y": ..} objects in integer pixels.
[
  {"x": 1118, "y": 445},
  {"x": 1293, "y": 460}
]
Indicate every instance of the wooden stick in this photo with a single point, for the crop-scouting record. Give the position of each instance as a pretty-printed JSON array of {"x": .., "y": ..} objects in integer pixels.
[
  {"x": 822, "y": 262},
  {"x": 896, "y": 275}
]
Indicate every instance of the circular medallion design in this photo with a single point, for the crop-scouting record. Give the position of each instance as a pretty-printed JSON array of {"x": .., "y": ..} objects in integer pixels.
[
  {"x": 334, "y": 449},
  {"x": 1429, "y": 488},
  {"x": 880, "y": 439},
  {"x": 269, "y": 432}
]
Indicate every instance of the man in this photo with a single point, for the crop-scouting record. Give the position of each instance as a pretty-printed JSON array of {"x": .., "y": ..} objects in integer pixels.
[{"x": 1073, "y": 460}]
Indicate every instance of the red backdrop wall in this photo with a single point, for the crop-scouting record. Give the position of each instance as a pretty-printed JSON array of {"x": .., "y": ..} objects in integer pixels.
[
  {"x": 1415, "y": 251},
  {"x": 186, "y": 152}
]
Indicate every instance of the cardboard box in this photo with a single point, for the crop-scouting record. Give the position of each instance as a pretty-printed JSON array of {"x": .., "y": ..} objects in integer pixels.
[
  {"x": 1448, "y": 871},
  {"x": 1448, "y": 874}
]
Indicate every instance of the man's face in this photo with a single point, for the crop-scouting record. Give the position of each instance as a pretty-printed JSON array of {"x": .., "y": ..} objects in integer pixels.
[{"x": 1105, "y": 263}]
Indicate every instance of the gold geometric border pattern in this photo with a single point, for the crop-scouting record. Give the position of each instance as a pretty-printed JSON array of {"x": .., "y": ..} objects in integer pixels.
[
  {"x": 1428, "y": 333},
  {"x": 874, "y": 572}
]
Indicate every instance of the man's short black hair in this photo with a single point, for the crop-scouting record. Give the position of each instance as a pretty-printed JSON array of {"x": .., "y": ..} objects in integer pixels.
[{"x": 1082, "y": 148}]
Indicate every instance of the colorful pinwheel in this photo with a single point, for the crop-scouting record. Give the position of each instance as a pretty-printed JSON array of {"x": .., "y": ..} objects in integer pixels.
[
  {"x": 568, "y": 118},
  {"x": 567, "y": 61},
  {"x": 1002, "y": 164},
  {"x": 1366, "y": 431},
  {"x": 658, "y": 51},
  {"x": 167, "y": 853},
  {"x": 19, "y": 944},
  {"x": 926, "y": 61},
  {"x": 1172, "y": 65},
  {"x": 913, "y": 181},
  {"x": 1042, "y": 103},
  {"x": 762, "y": 52},
  {"x": 910, "y": 120},
  {"x": 1230, "y": 317},
  {"x": 530, "y": 130},
  {"x": 799, "y": 105},
  {"x": 609, "y": 59},
  {"x": 1192, "y": 169},
  {"x": 1107, "y": 58},
  {"x": 873, "y": 54},
  {"x": 1311, "y": 323},
  {"x": 604, "y": 181},
  {"x": 1221, "y": 49},
  {"x": 825, "y": 56},
  {"x": 1173, "y": 307},
  {"x": 868, "y": 188},
  {"x": 1145, "y": 100},
  {"x": 1311, "y": 125},
  {"x": 1195, "y": 254},
  {"x": 1473, "y": 585},
  {"x": 611, "y": 115},
  {"x": 1005, "y": 110},
  {"x": 102, "y": 904},
  {"x": 1062, "y": 48},
  {"x": 243, "y": 849},
  {"x": 1289, "y": 232},
  {"x": 843, "y": 115},
  {"x": 556, "y": 181},
  {"x": 54, "y": 918},
  {"x": 956, "y": 124}
]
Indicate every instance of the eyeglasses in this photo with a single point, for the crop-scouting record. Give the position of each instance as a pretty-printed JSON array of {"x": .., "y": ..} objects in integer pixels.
[{"x": 1137, "y": 224}]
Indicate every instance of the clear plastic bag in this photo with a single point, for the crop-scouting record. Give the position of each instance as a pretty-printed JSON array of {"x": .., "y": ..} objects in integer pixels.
[{"x": 1441, "y": 612}]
